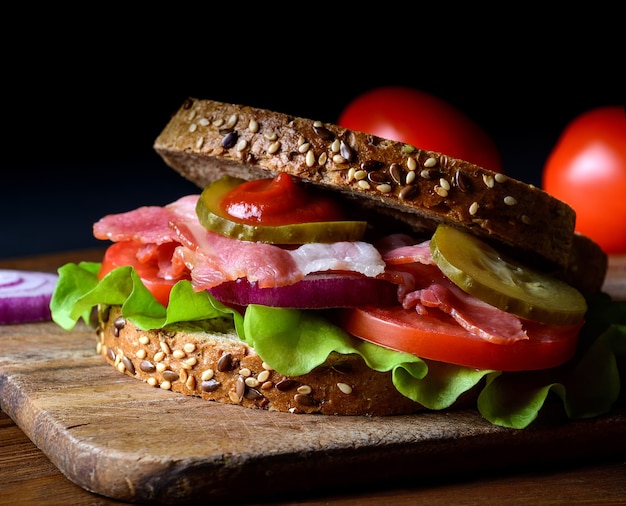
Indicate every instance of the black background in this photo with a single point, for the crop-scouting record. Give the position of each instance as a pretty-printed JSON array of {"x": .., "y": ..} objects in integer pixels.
[{"x": 85, "y": 94}]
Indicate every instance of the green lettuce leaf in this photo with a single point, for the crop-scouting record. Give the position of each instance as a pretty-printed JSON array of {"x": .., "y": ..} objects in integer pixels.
[{"x": 294, "y": 342}]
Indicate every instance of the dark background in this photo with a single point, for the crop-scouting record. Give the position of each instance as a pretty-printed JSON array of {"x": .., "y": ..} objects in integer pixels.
[{"x": 84, "y": 98}]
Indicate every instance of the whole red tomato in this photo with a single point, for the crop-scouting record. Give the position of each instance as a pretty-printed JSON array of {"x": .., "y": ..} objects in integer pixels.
[
  {"x": 422, "y": 120},
  {"x": 587, "y": 170}
]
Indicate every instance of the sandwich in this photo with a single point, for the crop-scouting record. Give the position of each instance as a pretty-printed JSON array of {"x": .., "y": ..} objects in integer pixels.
[{"x": 328, "y": 271}]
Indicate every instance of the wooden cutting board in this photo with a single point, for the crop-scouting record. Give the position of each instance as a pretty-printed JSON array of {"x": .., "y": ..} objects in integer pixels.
[{"x": 121, "y": 438}]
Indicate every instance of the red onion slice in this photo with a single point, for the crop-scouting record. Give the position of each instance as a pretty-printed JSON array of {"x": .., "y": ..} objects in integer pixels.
[
  {"x": 25, "y": 296},
  {"x": 315, "y": 291}
]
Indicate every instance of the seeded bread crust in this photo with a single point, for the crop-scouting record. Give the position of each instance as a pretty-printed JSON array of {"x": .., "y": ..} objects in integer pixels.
[
  {"x": 214, "y": 364},
  {"x": 206, "y": 139}
]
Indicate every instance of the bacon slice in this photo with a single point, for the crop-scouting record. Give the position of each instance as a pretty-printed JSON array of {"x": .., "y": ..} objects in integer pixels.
[
  {"x": 425, "y": 286},
  {"x": 214, "y": 259},
  {"x": 402, "y": 249},
  {"x": 147, "y": 224}
]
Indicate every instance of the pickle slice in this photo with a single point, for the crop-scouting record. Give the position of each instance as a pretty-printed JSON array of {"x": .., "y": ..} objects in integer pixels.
[
  {"x": 212, "y": 218},
  {"x": 480, "y": 270}
]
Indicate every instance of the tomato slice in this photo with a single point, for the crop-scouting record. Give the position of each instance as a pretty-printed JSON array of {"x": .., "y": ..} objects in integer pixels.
[
  {"x": 437, "y": 336},
  {"x": 149, "y": 262}
]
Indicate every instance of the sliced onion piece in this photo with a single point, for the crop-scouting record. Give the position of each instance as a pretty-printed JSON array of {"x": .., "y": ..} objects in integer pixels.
[
  {"x": 315, "y": 291},
  {"x": 25, "y": 295}
]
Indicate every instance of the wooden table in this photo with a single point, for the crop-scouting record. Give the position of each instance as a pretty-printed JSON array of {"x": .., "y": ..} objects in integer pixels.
[{"x": 28, "y": 477}]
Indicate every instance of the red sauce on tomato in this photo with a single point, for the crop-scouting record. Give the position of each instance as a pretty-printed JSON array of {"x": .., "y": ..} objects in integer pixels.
[{"x": 278, "y": 201}]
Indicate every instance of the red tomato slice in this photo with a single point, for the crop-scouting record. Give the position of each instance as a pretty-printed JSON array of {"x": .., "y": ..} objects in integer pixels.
[
  {"x": 125, "y": 253},
  {"x": 437, "y": 336}
]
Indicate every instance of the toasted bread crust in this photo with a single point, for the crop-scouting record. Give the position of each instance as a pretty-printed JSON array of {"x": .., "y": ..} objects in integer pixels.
[
  {"x": 206, "y": 139},
  {"x": 220, "y": 367}
]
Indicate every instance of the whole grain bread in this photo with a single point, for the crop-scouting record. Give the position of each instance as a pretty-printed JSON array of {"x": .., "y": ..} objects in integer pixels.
[
  {"x": 206, "y": 139},
  {"x": 208, "y": 360}
]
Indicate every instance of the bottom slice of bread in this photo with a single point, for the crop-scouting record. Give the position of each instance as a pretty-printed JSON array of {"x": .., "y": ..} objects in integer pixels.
[{"x": 208, "y": 360}]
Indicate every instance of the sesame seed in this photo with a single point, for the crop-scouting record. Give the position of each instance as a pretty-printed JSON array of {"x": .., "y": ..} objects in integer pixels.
[
  {"x": 178, "y": 354},
  {"x": 207, "y": 375},
  {"x": 364, "y": 185},
  {"x": 351, "y": 174},
  {"x": 310, "y": 158},
  {"x": 488, "y": 180},
  {"x": 345, "y": 388},
  {"x": 160, "y": 367},
  {"x": 165, "y": 348},
  {"x": 473, "y": 209},
  {"x": 152, "y": 382},
  {"x": 144, "y": 340},
  {"x": 526, "y": 219},
  {"x": 442, "y": 192},
  {"x": 199, "y": 142},
  {"x": 232, "y": 121},
  {"x": 304, "y": 389},
  {"x": 189, "y": 347},
  {"x": 141, "y": 354},
  {"x": 360, "y": 174},
  {"x": 334, "y": 147},
  {"x": 410, "y": 177},
  {"x": 263, "y": 376},
  {"x": 191, "y": 383},
  {"x": 338, "y": 159},
  {"x": 384, "y": 188},
  {"x": 218, "y": 122},
  {"x": 242, "y": 144},
  {"x": 500, "y": 178},
  {"x": 245, "y": 372},
  {"x": 430, "y": 162},
  {"x": 304, "y": 147},
  {"x": 203, "y": 122},
  {"x": 166, "y": 385},
  {"x": 253, "y": 126},
  {"x": 510, "y": 201},
  {"x": 444, "y": 184},
  {"x": 192, "y": 128},
  {"x": 234, "y": 397},
  {"x": 274, "y": 147},
  {"x": 270, "y": 136},
  {"x": 252, "y": 382},
  {"x": 267, "y": 367},
  {"x": 411, "y": 163},
  {"x": 191, "y": 361},
  {"x": 158, "y": 356}
]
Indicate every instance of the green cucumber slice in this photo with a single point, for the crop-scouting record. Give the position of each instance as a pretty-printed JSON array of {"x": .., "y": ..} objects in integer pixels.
[{"x": 480, "y": 270}]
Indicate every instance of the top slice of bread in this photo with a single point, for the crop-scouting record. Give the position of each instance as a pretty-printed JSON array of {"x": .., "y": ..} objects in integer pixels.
[{"x": 206, "y": 139}]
